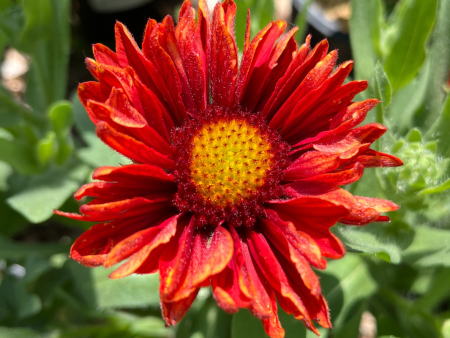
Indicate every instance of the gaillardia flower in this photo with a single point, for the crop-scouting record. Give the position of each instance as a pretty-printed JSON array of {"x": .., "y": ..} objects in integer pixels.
[{"x": 236, "y": 165}]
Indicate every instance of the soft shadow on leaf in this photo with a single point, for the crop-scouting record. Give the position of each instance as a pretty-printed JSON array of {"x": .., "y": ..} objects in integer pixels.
[
  {"x": 132, "y": 292},
  {"x": 386, "y": 240},
  {"x": 36, "y": 197}
]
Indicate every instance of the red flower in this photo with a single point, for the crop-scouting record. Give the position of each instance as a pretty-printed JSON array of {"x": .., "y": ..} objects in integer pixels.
[{"x": 237, "y": 168}]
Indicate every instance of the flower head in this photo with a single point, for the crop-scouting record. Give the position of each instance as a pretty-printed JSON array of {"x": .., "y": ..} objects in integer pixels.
[{"x": 237, "y": 166}]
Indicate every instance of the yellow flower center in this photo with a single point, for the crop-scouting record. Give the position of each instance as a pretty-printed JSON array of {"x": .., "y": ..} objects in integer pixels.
[{"x": 229, "y": 161}]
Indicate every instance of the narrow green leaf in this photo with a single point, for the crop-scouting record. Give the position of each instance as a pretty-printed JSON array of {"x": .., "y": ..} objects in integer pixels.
[
  {"x": 435, "y": 190},
  {"x": 46, "y": 39},
  {"x": 383, "y": 91},
  {"x": 301, "y": 21},
  {"x": 262, "y": 12},
  {"x": 364, "y": 27},
  {"x": 440, "y": 65},
  {"x": 408, "y": 100},
  {"x": 414, "y": 24},
  {"x": 440, "y": 129},
  {"x": 43, "y": 193}
]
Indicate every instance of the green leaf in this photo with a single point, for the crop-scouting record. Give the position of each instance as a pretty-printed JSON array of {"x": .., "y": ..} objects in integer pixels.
[
  {"x": 439, "y": 290},
  {"x": 16, "y": 251},
  {"x": 346, "y": 284},
  {"x": 11, "y": 21},
  {"x": 19, "y": 301},
  {"x": 383, "y": 91},
  {"x": 440, "y": 65},
  {"x": 97, "y": 290},
  {"x": 12, "y": 112},
  {"x": 262, "y": 12},
  {"x": 41, "y": 194},
  {"x": 411, "y": 31},
  {"x": 204, "y": 319},
  {"x": 61, "y": 117},
  {"x": 435, "y": 190},
  {"x": 386, "y": 241},
  {"x": 364, "y": 27},
  {"x": 446, "y": 329},
  {"x": 46, "y": 38},
  {"x": 430, "y": 247},
  {"x": 20, "y": 155},
  {"x": 440, "y": 129},
  {"x": 7, "y": 332},
  {"x": 46, "y": 148},
  {"x": 245, "y": 325},
  {"x": 5, "y": 172},
  {"x": 408, "y": 100},
  {"x": 301, "y": 21}
]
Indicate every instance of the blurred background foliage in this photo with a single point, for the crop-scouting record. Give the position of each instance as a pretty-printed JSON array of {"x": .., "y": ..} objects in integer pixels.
[{"x": 395, "y": 280}]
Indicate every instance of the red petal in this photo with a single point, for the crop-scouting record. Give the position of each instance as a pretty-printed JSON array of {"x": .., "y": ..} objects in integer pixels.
[
  {"x": 227, "y": 290},
  {"x": 314, "y": 216},
  {"x": 363, "y": 210},
  {"x": 105, "y": 55},
  {"x": 372, "y": 158},
  {"x": 117, "y": 191},
  {"x": 296, "y": 73},
  {"x": 173, "y": 312},
  {"x": 92, "y": 247},
  {"x": 254, "y": 68},
  {"x": 148, "y": 174},
  {"x": 203, "y": 35},
  {"x": 193, "y": 64},
  {"x": 99, "y": 211},
  {"x": 280, "y": 60},
  {"x": 223, "y": 61},
  {"x": 317, "y": 118},
  {"x": 313, "y": 80},
  {"x": 271, "y": 269},
  {"x": 310, "y": 164},
  {"x": 131, "y": 147},
  {"x": 343, "y": 121},
  {"x": 117, "y": 111},
  {"x": 345, "y": 176},
  {"x": 164, "y": 74},
  {"x": 285, "y": 235},
  {"x": 190, "y": 260},
  {"x": 140, "y": 245}
]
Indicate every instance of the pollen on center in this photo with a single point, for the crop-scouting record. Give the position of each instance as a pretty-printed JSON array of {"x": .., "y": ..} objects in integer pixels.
[{"x": 229, "y": 161}]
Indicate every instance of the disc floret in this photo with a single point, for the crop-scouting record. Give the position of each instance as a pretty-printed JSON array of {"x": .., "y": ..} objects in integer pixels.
[{"x": 228, "y": 164}]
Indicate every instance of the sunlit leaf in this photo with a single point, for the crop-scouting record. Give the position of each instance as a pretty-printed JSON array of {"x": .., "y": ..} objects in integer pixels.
[
  {"x": 135, "y": 291},
  {"x": 364, "y": 27},
  {"x": 41, "y": 194},
  {"x": 410, "y": 32}
]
